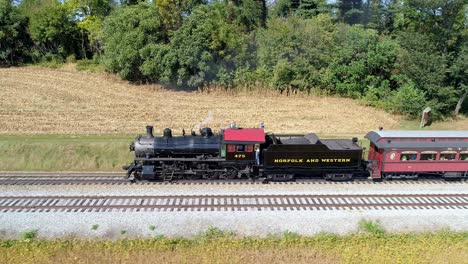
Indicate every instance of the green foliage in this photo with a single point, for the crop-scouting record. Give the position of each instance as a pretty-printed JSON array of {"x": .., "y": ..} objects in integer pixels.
[
  {"x": 294, "y": 51},
  {"x": 95, "y": 227},
  {"x": 408, "y": 100},
  {"x": 371, "y": 227},
  {"x": 300, "y": 8},
  {"x": 54, "y": 32},
  {"x": 350, "y": 11},
  {"x": 250, "y": 13},
  {"x": 30, "y": 234},
  {"x": 14, "y": 40},
  {"x": 311, "y": 8},
  {"x": 214, "y": 233},
  {"x": 126, "y": 33},
  {"x": 421, "y": 62},
  {"x": 172, "y": 12},
  {"x": 152, "y": 227},
  {"x": 204, "y": 49}
]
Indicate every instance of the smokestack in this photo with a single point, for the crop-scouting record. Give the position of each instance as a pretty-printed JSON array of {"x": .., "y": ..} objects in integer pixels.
[{"x": 149, "y": 131}]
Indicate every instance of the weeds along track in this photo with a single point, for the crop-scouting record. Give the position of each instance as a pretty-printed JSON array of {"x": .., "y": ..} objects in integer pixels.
[
  {"x": 231, "y": 202},
  {"x": 110, "y": 178}
]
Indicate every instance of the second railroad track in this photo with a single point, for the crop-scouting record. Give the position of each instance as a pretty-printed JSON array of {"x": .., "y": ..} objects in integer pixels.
[{"x": 231, "y": 202}]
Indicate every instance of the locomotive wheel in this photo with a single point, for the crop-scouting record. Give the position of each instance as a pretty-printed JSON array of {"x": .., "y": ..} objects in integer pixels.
[
  {"x": 211, "y": 175},
  {"x": 230, "y": 174},
  {"x": 135, "y": 176}
]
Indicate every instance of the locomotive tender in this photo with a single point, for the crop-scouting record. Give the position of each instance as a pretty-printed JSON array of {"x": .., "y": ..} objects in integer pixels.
[{"x": 249, "y": 153}]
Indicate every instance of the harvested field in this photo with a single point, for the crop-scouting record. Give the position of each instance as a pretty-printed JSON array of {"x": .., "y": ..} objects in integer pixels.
[{"x": 63, "y": 101}]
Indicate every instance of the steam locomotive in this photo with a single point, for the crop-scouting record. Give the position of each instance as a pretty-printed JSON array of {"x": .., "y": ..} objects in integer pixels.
[{"x": 250, "y": 153}]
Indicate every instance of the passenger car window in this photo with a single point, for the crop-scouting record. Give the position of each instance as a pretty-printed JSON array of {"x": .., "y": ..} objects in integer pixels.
[
  {"x": 464, "y": 156},
  {"x": 447, "y": 156},
  {"x": 408, "y": 157},
  {"x": 428, "y": 156}
]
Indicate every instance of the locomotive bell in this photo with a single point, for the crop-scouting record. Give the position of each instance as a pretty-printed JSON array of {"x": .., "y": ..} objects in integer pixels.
[{"x": 167, "y": 133}]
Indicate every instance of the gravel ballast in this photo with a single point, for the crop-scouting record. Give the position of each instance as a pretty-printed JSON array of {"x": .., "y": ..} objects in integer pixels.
[{"x": 251, "y": 222}]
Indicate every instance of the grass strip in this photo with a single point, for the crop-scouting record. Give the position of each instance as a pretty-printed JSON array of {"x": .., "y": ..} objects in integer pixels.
[
  {"x": 215, "y": 246},
  {"x": 64, "y": 153}
]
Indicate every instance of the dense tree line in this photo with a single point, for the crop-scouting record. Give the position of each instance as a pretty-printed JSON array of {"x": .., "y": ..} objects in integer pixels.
[{"x": 401, "y": 55}]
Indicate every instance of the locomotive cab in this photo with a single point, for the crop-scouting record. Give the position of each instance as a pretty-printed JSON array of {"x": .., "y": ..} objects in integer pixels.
[{"x": 242, "y": 144}]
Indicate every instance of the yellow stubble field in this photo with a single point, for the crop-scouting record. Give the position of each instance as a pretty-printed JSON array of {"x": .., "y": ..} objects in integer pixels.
[{"x": 63, "y": 101}]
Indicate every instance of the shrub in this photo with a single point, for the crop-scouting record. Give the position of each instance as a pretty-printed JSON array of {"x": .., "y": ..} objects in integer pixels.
[
  {"x": 408, "y": 100},
  {"x": 30, "y": 234},
  {"x": 369, "y": 226}
]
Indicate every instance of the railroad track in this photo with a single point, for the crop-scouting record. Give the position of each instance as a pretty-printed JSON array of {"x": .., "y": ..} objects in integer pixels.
[
  {"x": 14, "y": 178},
  {"x": 231, "y": 202}
]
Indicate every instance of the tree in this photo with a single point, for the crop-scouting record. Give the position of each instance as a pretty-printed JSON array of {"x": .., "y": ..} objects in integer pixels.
[
  {"x": 434, "y": 36},
  {"x": 350, "y": 11},
  {"x": 206, "y": 48},
  {"x": 301, "y": 8},
  {"x": 295, "y": 51},
  {"x": 362, "y": 60},
  {"x": 380, "y": 14},
  {"x": 53, "y": 29},
  {"x": 442, "y": 20},
  {"x": 248, "y": 13},
  {"x": 311, "y": 8},
  {"x": 126, "y": 33},
  {"x": 90, "y": 14},
  {"x": 459, "y": 77},
  {"x": 173, "y": 12},
  {"x": 14, "y": 39},
  {"x": 425, "y": 66}
]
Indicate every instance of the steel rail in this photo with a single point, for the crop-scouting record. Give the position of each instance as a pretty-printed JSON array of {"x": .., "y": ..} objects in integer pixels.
[
  {"x": 44, "y": 178},
  {"x": 231, "y": 202}
]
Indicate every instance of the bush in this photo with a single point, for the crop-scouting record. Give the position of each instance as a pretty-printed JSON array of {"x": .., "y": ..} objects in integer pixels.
[
  {"x": 369, "y": 226},
  {"x": 30, "y": 234},
  {"x": 408, "y": 100}
]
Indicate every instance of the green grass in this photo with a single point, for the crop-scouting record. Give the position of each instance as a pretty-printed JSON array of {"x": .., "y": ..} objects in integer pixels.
[
  {"x": 90, "y": 66},
  {"x": 215, "y": 246},
  {"x": 64, "y": 153}
]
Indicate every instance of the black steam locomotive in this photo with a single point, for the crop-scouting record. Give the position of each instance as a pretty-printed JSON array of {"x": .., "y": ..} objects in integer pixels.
[{"x": 248, "y": 153}]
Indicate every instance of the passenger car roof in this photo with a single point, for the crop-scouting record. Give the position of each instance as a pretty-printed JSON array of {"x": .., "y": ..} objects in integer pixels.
[
  {"x": 383, "y": 139},
  {"x": 376, "y": 135}
]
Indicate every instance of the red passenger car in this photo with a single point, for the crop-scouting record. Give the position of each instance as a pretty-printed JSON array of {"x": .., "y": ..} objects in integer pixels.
[{"x": 410, "y": 154}]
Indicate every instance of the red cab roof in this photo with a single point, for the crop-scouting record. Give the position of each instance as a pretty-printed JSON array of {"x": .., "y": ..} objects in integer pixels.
[{"x": 254, "y": 135}]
